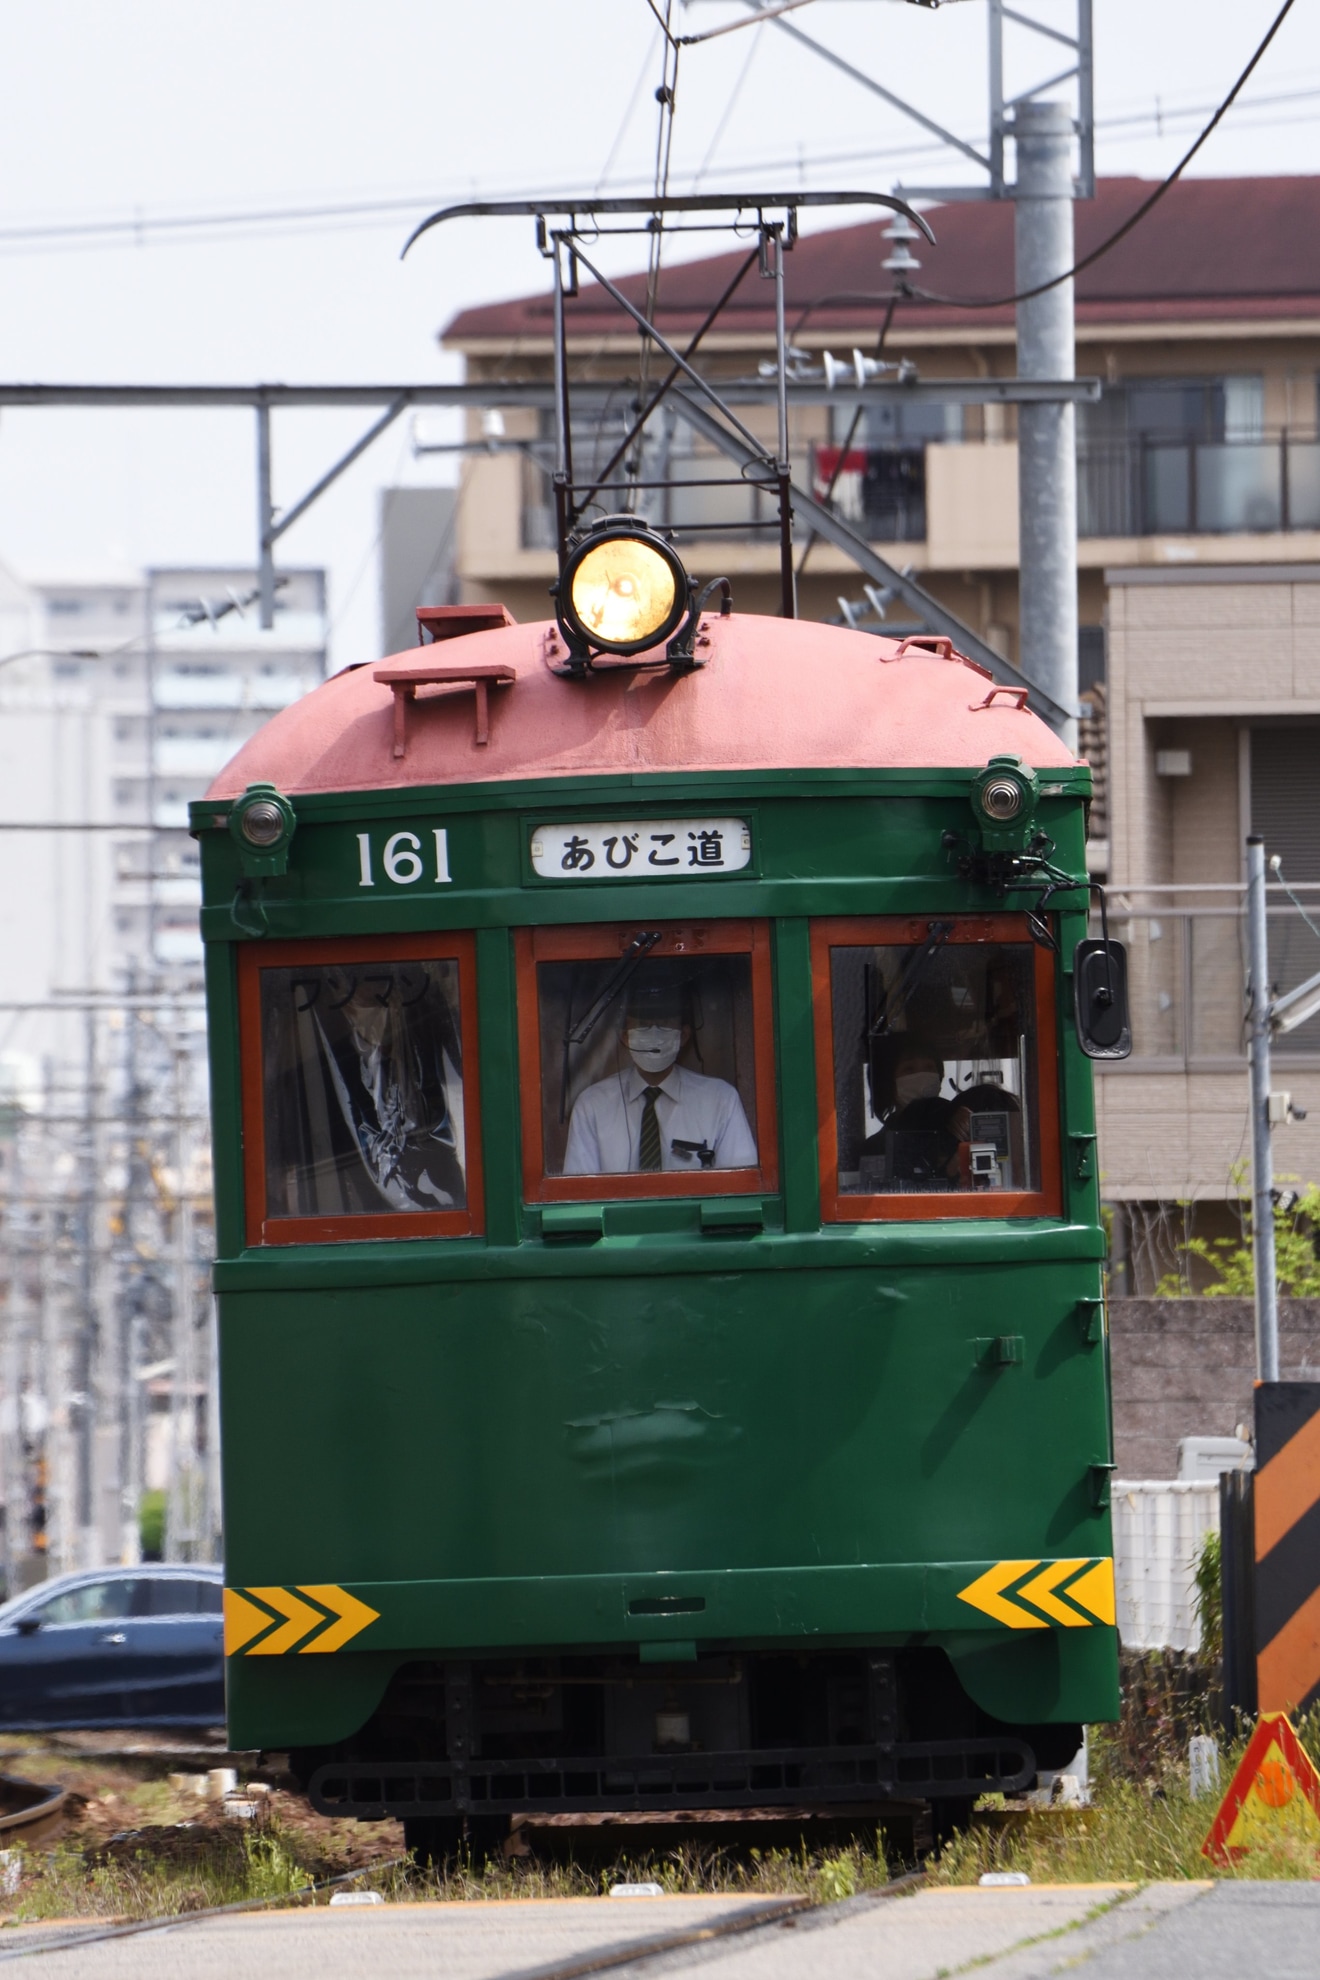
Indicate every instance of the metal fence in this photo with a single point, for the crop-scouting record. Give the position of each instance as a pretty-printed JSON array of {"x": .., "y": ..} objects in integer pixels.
[
  {"x": 1145, "y": 486},
  {"x": 1187, "y": 972}
]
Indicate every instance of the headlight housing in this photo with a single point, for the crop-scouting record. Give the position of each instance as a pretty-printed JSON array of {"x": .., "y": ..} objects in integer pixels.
[
  {"x": 622, "y": 588},
  {"x": 1004, "y": 797}
]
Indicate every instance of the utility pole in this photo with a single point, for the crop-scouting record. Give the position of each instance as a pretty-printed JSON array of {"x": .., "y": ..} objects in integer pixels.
[
  {"x": 1047, "y": 434},
  {"x": 1266, "y": 1017},
  {"x": 82, "y": 1407},
  {"x": 1262, "y": 1154}
]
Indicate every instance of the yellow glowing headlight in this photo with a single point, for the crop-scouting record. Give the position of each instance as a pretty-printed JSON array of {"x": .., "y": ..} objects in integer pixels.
[{"x": 625, "y": 592}]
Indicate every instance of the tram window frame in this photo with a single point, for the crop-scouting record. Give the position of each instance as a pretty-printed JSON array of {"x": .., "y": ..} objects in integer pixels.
[
  {"x": 909, "y": 931},
  {"x": 604, "y": 942},
  {"x": 352, "y": 1226}
]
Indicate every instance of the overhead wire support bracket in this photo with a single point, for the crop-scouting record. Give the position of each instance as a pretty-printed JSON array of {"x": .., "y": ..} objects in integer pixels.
[
  {"x": 560, "y": 227},
  {"x": 868, "y": 559}
]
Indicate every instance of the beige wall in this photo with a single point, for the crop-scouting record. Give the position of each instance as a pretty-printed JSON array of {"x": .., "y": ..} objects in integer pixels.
[{"x": 1191, "y": 662}]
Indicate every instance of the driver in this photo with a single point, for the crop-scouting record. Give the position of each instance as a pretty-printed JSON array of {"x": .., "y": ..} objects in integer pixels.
[{"x": 654, "y": 1114}]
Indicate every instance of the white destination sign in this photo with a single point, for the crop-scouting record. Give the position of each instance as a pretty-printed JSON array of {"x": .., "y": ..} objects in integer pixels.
[{"x": 642, "y": 848}]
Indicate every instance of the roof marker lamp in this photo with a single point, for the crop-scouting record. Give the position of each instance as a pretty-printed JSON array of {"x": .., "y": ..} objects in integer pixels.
[
  {"x": 262, "y": 824},
  {"x": 622, "y": 589},
  {"x": 1004, "y": 798}
]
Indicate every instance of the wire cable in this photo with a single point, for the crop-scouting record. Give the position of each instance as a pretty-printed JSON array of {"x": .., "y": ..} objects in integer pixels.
[
  {"x": 730, "y": 104},
  {"x": 1276, "y": 867},
  {"x": 1134, "y": 219},
  {"x": 666, "y": 96}
]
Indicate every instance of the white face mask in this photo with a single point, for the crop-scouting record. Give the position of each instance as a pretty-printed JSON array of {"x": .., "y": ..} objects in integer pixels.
[
  {"x": 654, "y": 1047},
  {"x": 917, "y": 1086}
]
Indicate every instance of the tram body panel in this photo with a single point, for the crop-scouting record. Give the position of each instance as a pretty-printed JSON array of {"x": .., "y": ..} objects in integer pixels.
[{"x": 718, "y": 1411}]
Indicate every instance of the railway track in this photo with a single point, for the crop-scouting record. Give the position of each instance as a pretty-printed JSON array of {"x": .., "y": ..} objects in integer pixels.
[{"x": 631, "y": 1952}]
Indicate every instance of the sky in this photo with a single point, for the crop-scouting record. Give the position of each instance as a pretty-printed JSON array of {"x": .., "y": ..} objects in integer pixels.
[{"x": 165, "y": 170}]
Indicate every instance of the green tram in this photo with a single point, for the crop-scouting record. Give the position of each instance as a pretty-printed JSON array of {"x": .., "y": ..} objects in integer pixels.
[{"x": 659, "y": 1256}]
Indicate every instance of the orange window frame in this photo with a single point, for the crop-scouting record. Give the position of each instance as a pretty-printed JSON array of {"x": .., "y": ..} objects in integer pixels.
[
  {"x": 603, "y": 942},
  {"x": 907, "y": 930},
  {"x": 253, "y": 957}
]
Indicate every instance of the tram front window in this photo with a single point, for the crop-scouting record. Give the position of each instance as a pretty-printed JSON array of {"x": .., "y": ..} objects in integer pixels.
[
  {"x": 362, "y": 1087},
  {"x": 936, "y": 1046},
  {"x": 647, "y": 1060}
]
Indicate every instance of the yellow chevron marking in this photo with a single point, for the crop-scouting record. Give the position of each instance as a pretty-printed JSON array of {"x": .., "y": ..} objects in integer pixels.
[
  {"x": 986, "y": 1593},
  {"x": 1095, "y": 1591},
  {"x": 243, "y": 1621},
  {"x": 352, "y": 1616},
  {"x": 300, "y": 1620},
  {"x": 1040, "y": 1590}
]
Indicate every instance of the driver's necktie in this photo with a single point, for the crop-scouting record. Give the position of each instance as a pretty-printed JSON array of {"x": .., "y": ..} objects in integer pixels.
[{"x": 648, "y": 1145}]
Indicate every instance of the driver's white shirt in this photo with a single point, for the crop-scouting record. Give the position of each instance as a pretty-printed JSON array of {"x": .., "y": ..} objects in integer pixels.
[{"x": 606, "y": 1124}]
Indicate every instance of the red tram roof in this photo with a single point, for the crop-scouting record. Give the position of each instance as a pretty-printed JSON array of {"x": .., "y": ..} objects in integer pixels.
[{"x": 774, "y": 694}]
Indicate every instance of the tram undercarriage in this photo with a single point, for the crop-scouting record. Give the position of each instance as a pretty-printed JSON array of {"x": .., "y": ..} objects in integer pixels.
[{"x": 467, "y": 1744}]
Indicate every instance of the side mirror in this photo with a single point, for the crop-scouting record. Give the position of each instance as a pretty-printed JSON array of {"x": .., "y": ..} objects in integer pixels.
[
  {"x": 28, "y": 1625},
  {"x": 1101, "y": 1000}
]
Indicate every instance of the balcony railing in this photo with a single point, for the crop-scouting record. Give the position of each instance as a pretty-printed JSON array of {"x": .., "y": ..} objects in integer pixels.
[
  {"x": 1187, "y": 973},
  {"x": 1144, "y": 486},
  {"x": 1176, "y": 487}
]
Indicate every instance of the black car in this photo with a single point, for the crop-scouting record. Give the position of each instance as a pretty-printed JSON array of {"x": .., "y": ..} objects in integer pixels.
[{"x": 139, "y": 1646}]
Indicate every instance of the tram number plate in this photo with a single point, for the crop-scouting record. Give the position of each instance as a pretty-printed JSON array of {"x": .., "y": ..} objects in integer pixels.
[{"x": 642, "y": 849}]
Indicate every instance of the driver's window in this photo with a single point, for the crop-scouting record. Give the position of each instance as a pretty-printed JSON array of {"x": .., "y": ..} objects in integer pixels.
[{"x": 939, "y": 1038}]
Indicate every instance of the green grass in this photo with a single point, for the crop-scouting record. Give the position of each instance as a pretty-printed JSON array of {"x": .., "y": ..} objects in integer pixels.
[
  {"x": 61, "y": 1884},
  {"x": 1142, "y": 1826},
  {"x": 1135, "y": 1831}
]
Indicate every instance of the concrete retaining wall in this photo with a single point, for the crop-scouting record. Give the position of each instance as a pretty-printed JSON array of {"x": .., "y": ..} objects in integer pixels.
[{"x": 1185, "y": 1368}]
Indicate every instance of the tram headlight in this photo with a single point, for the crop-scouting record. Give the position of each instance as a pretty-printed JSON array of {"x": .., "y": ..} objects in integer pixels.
[{"x": 623, "y": 588}]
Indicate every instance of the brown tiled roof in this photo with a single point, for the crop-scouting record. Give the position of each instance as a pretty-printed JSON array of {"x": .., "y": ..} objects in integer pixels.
[{"x": 1212, "y": 249}]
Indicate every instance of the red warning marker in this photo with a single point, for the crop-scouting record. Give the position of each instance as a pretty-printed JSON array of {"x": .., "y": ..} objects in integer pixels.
[{"x": 1276, "y": 1775}]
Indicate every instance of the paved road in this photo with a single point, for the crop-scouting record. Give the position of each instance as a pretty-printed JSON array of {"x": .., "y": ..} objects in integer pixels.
[{"x": 1096, "y": 1932}]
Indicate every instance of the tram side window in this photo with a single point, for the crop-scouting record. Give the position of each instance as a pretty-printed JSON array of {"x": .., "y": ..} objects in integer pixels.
[
  {"x": 651, "y": 1076},
  {"x": 363, "y": 1095},
  {"x": 937, "y": 1088}
]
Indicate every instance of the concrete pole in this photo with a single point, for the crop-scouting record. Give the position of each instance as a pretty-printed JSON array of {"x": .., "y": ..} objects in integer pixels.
[
  {"x": 82, "y": 1399},
  {"x": 1262, "y": 1154},
  {"x": 1047, "y": 435},
  {"x": 265, "y": 520}
]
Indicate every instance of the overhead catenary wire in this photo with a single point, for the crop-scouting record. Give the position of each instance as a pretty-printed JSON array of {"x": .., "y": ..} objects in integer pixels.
[
  {"x": 1133, "y": 219},
  {"x": 666, "y": 96},
  {"x": 328, "y": 215},
  {"x": 726, "y": 114}
]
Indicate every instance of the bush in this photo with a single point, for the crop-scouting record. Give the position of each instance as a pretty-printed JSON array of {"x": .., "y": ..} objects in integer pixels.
[
  {"x": 151, "y": 1525},
  {"x": 1296, "y": 1253}
]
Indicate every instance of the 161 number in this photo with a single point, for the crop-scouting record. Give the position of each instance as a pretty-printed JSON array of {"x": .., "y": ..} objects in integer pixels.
[{"x": 402, "y": 859}]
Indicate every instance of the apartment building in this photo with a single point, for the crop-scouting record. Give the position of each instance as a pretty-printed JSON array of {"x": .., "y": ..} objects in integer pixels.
[
  {"x": 1198, "y": 573},
  {"x": 1204, "y": 325},
  {"x": 1214, "y": 732}
]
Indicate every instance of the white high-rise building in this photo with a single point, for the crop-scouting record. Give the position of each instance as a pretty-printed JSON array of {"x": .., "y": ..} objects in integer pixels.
[{"x": 120, "y": 698}]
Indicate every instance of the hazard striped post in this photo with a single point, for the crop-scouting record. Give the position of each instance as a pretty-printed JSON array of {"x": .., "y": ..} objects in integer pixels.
[{"x": 1287, "y": 1507}]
